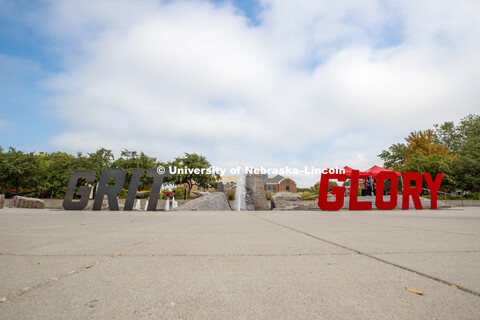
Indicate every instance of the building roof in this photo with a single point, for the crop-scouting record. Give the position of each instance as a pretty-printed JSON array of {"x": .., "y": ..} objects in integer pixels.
[
  {"x": 274, "y": 180},
  {"x": 228, "y": 179}
]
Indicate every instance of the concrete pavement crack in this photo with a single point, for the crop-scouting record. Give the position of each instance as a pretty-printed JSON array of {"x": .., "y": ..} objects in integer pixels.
[
  {"x": 459, "y": 287},
  {"x": 78, "y": 270},
  {"x": 227, "y": 254}
]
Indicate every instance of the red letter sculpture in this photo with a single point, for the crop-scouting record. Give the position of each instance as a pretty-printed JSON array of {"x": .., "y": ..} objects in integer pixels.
[
  {"x": 354, "y": 204},
  {"x": 413, "y": 192},
  {"x": 433, "y": 186},
  {"x": 339, "y": 193},
  {"x": 379, "y": 203}
]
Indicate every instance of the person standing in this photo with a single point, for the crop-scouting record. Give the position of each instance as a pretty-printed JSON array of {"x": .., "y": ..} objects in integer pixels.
[{"x": 369, "y": 186}]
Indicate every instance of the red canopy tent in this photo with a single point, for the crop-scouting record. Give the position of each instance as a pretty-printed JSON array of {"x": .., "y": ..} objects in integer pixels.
[
  {"x": 361, "y": 175},
  {"x": 375, "y": 170}
]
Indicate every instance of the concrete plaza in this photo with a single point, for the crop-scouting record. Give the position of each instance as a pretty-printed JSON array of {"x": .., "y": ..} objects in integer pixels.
[{"x": 229, "y": 265}]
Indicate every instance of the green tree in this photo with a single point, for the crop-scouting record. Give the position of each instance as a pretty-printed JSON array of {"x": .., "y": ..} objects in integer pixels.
[
  {"x": 433, "y": 164},
  {"x": 192, "y": 161},
  {"x": 332, "y": 184},
  {"x": 425, "y": 152},
  {"x": 19, "y": 170},
  {"x": 394, "y": 157},
  {"x": 448, "y": 135},
  {"x": 56, "y": 170},
  {"x": 467, "y": 171},
  {"x": 97, "y": 161},
  {"x": 100, "y": 160},
  {"x": 316, "y": 187},
  {"x": 468, "y": 128},
  {"x": 464, "y": 142},
  {"x": 130, "y": 160},
  {"x": 467, "y": 166}
]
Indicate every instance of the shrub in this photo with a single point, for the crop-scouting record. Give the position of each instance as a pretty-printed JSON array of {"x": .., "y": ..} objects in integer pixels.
[
  {"x": 307, "y": 195},
  {"x": 181, "y": 192},
  {"x": 122, "y": 194},
  {"x": 468, "y": 196},
  {"x": 472, "y": 196}
]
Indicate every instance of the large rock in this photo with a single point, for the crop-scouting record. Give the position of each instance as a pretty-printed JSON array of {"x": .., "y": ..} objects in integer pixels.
[
  {"x": 2, "y": 200},
  {"x": 13, "y": 203},
  {"x": 24, "y": 202},
  {"x": 287, "y": 201},
  {"x": 216, "y": 201},
  {"x": 255, "y": 197}
]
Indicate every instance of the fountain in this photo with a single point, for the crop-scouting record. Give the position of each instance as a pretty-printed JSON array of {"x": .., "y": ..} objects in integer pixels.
[
  {"x": 240, "y": 203},
  {"x": 174, "y": 203},
  {"x": 167, "y": 204}
]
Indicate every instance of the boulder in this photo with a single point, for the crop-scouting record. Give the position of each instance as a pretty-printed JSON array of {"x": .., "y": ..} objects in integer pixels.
[
  {"x": 287, "y": 201},
  {"x": 216, "y": 201},
  {"x": 255, "y": 197},
  {"x": 13, "y": 204},
  {"x": 2, "y": 200},
  {"x": 39, "y": 204},
  {"x": 30, "y": 203}
]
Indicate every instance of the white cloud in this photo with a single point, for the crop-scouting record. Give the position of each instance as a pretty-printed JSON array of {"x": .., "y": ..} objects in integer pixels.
[{"x": 315, "y": 83}]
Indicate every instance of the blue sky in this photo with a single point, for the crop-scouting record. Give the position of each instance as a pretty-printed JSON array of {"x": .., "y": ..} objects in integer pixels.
[{"x": 269, "y": 83}]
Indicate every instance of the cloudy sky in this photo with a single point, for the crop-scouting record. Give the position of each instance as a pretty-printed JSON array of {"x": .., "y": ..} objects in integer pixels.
[{"x": 268, "y": 83}]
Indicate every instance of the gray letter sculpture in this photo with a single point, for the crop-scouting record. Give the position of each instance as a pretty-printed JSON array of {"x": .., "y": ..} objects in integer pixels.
[
  {"x": 110, "y": 191},
  {"x": 157, "y": 185},
  {"x": 132, "y": 190},
  {"x": 83, "y": 192}
]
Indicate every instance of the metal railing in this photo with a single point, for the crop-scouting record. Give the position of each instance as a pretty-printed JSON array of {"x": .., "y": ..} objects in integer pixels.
[{"x": 445, "y": 195}]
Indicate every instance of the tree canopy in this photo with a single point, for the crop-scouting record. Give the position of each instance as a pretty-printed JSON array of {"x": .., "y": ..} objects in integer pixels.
[
  {"x": 453, "y": 150},
  {"x": 190, "y": 179},
  {"x": 49, "y": 173}
]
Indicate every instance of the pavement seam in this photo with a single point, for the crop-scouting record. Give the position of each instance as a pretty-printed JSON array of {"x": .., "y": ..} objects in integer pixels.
[
  {"x": 459, "y": 287},
  {"x": 174, "y": 255},
  {"x": 425, "y": 252},
  {"x": 231, "y": 254}
]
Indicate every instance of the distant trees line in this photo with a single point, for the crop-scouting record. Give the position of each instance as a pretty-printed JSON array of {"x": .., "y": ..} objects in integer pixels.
[
  {"x": 47, "y": 174},
  {"x": 453, "y": 150}
]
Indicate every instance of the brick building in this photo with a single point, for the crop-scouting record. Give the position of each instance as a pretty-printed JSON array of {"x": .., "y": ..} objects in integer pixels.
[
  {"x": 280, "y": 184},
  {"x": 272, "y": 184}
]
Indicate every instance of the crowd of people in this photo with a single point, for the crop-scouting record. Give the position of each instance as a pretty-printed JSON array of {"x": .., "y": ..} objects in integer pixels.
[{"x": 369, "y": 186}]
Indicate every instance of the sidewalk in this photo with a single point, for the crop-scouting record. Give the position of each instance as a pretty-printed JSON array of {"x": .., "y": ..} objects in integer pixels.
[{"x": 247, "y": 265}]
